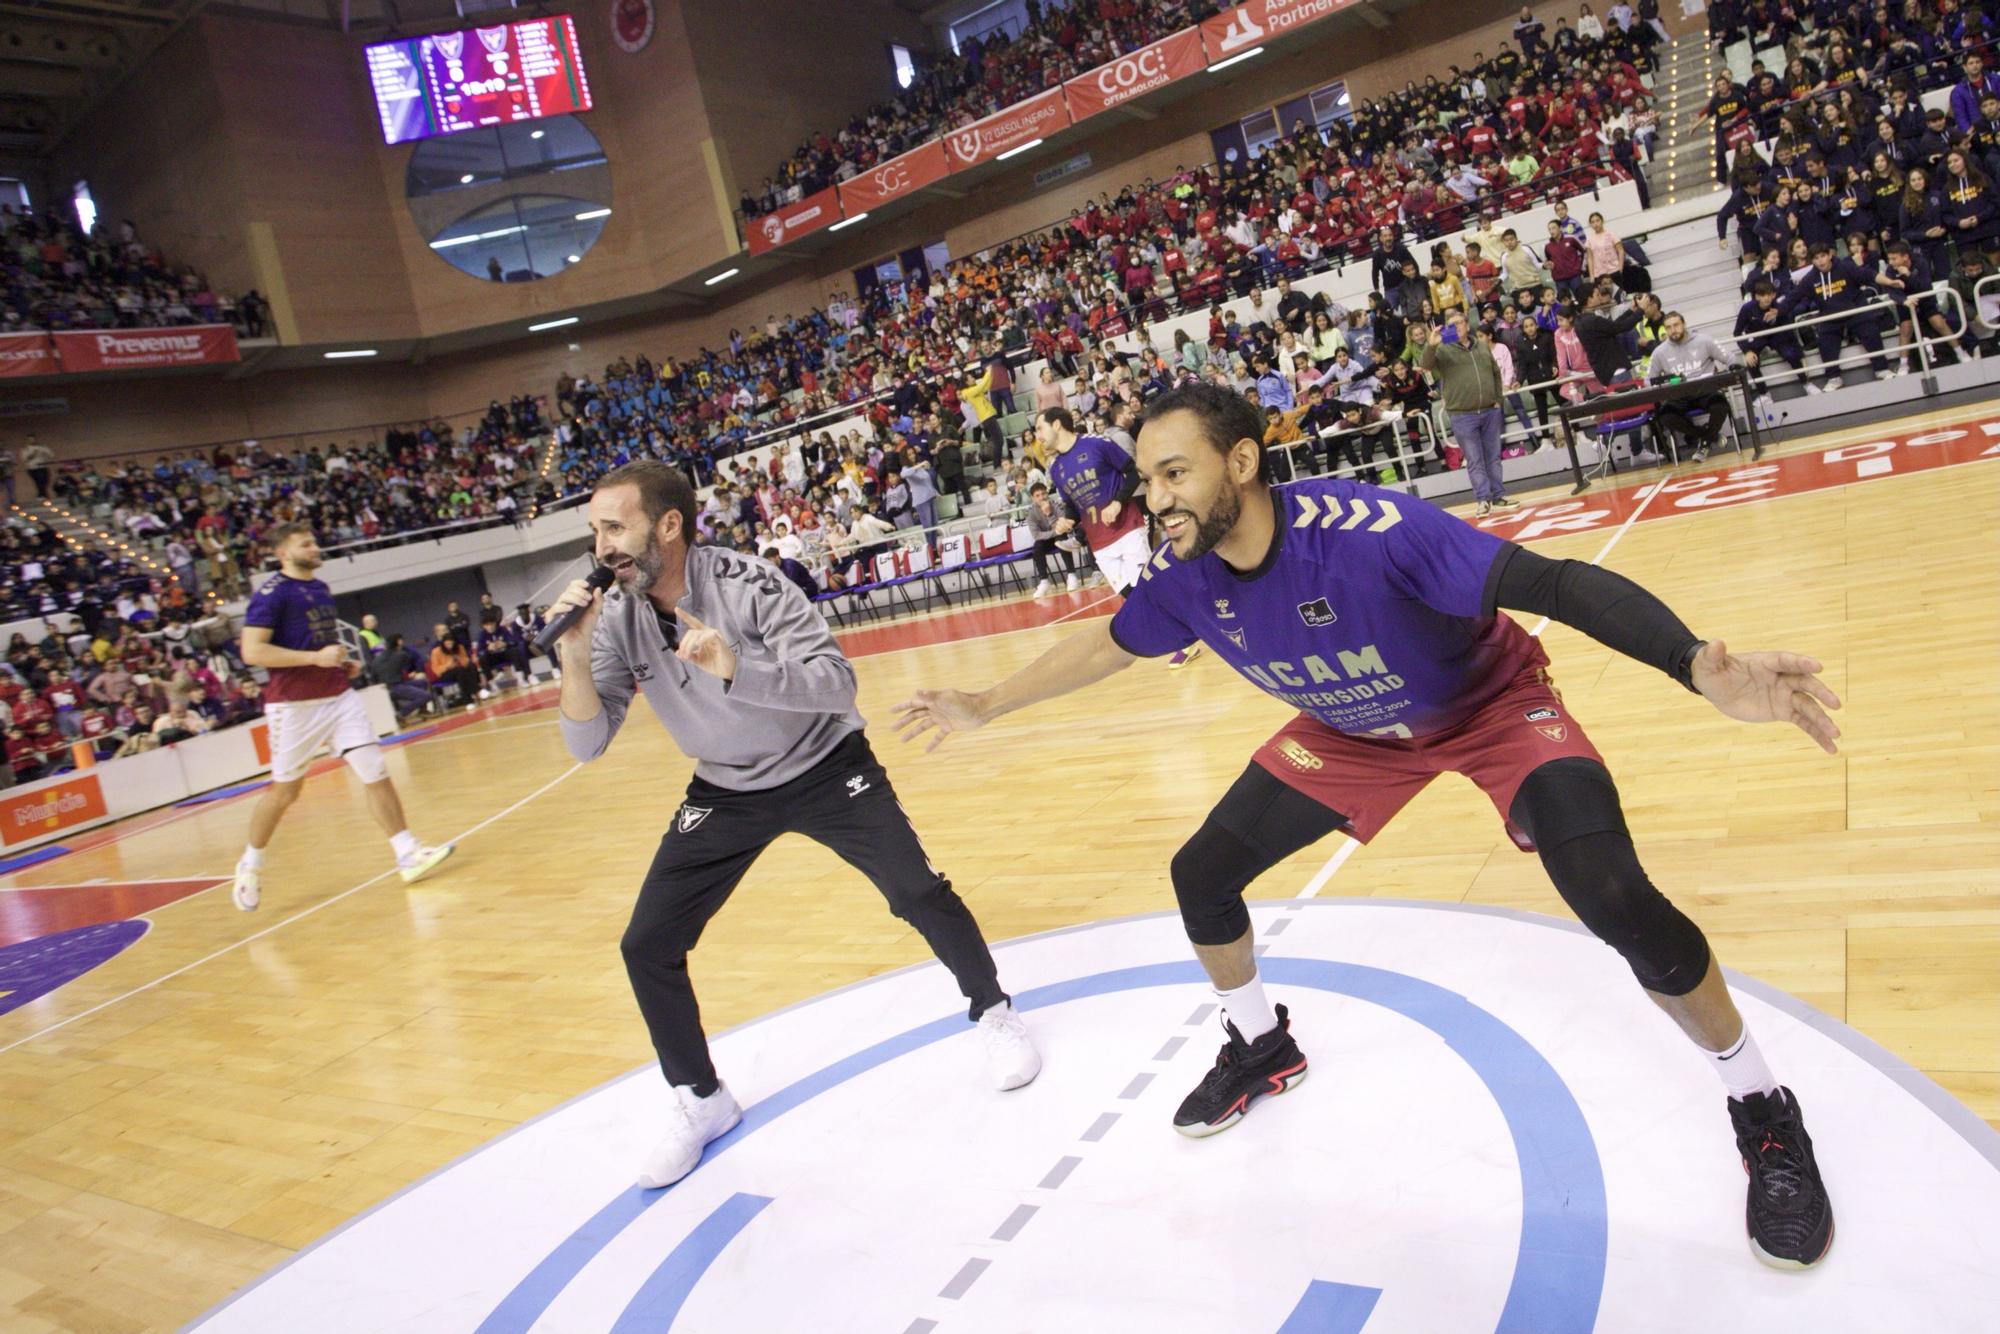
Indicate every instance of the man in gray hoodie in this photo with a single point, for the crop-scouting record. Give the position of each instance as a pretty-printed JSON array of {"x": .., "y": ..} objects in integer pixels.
[
  {"x": 1684, "y": 355},
  {"x": 747, "y": 678}
]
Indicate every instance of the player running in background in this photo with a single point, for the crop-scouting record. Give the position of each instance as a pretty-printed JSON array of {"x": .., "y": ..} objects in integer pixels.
[
  {"x": 1377, "y": 615},
  {"x": 291, "y": 630},
  {"x": 1099, "y": 481}
]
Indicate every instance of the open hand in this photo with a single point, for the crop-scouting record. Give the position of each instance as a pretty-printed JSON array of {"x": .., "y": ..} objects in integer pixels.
[
  {"x": 946, "y": 711},
  {"x": 1768, "y": 688},
  {"x": 704, "y": 647}
]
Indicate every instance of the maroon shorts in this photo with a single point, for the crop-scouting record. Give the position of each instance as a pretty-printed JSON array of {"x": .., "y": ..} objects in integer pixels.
[{"x": 1368, "y": 779}]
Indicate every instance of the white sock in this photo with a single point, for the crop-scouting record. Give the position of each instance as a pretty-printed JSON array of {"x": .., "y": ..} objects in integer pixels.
[
  {"x": 405, "y": 844},
  {"x": 252, "y": 857},
  {"x": 1742, "y": 1067},
  {"x": 1247, "y": 1008}
]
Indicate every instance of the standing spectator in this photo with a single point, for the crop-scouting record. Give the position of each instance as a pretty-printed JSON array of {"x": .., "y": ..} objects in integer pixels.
[
  {"x": 1606, "y": 251},
  {"x": 36, "y": 458},
  {"x": 7, "y": 464},
  {"x": 1043, "y": 518},
  {"x": 1470, "y": 382},
  {"x": 1566, "y": 257},
  {"x": 948, "y": 461},
  {"x": 180, "y": 559}
]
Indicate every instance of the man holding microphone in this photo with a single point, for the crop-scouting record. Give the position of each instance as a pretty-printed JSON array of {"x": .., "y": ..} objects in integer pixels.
[{"x": 747, "y": 678}]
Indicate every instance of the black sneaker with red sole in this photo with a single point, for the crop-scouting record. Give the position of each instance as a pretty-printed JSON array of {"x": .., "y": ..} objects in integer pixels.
[
  {"x": 1243, "y": 1073},
  {"x": 1788, "y": 1214}
]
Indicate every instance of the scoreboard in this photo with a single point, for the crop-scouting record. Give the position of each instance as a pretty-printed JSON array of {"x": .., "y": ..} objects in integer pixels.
[{"x": 452, "y": 81}]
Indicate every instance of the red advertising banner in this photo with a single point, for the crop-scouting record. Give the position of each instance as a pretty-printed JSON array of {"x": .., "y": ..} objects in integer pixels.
[
  {"x": 27, "y": 354},
  {"x": 793, "y": 221},
  {"x": 146, "y": 349},
  {"x": 1237, "y": 30},
  {"x": 1022, "y": 123},
  {"x": 921, "y": 166},
  {"x": 26, "y": 815},
  {"x": 1136, "y": 74}
]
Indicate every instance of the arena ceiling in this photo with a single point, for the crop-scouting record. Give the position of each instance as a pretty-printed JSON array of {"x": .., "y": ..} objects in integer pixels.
[{"x": 58, "y": 58}]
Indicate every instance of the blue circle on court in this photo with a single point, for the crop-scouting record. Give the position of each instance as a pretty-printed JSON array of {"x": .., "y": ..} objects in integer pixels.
[{"x": 1559, "y": 1267}]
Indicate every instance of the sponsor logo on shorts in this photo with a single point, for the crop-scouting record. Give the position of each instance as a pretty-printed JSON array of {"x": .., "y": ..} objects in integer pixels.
[
  {"x": 1298, "y": 756},
  {"x": 642, "y": 671},
  {"x": 1235, "y": 637},
  {"x": 692, "y": 816},
  {"x": 1222, "y": 612},
  {"x": 1555, "y": 732},
  {"x": 857, "y": 785},
  {"x": 1542, "y": 714},
  {"x": 1317, "y": 612}
]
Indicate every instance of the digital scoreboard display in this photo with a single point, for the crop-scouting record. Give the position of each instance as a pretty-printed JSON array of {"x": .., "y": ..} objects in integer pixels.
[{"x": 452, "y": 81}]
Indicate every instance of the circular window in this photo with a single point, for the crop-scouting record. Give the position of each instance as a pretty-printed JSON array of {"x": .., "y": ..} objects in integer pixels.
[{"x": 514, "y": 202}]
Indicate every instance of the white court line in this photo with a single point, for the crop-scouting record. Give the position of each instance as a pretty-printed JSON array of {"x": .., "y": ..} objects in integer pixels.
[
  {"x": 1348, "y": 846},
  {"x": 1078, "y": 611},
  {"x": 275, "y": 926}
]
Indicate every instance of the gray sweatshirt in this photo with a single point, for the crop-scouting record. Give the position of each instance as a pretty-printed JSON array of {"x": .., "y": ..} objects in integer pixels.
[
  {"x": 790, "y": 703},
  {"x": 1696, "y": 355}
]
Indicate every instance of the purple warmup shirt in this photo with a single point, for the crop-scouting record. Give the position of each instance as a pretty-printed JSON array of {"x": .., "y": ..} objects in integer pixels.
[
  {"x": 299, "y": 614},
  {"x": 1091, "y": 474},
  {"x": 1366, "y": 613}
]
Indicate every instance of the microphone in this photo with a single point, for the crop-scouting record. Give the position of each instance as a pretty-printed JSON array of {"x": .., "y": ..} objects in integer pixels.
[{"x": 599, "y": 579}]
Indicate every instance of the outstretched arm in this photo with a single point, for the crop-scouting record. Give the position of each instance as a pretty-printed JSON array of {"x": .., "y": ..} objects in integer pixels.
[
  {"x": 1753, "y": 687},
  {"x": 1082, "y": 659}
]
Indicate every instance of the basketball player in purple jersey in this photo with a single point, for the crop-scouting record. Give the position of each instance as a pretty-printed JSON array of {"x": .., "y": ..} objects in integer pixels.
[
  {"x": 1378, "y": 616},
  {"x": 1099, "y": 480},
  {"x": 291, "y": 630}
]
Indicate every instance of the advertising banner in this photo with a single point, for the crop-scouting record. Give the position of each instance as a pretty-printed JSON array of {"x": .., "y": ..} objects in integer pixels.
[
  {"x": 27, "y": 354},
  {"x": 1136, "y": 74},
  {"x": 1237, "y": 30},
  {"x": 792, "y": 221},
  {"x": 146, "y": 349},
  {"x": 43, "y": 810},
  {"x": 1022, "y": 123},
  {"x": 921, "y": 166}
]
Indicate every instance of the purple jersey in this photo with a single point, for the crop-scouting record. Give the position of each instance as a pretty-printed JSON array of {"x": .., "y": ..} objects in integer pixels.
[
  {"x": 1367, "y": 614},
  {"x": 1091, "y": 475},
  {"x": 299, "y": 614}
]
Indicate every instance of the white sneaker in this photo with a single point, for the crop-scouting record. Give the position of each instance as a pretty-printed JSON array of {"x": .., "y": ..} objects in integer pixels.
[
  {"x": 422, "y": 862},
  {"x": 1044, "y": 588},
  {"x": 1483, "y": 510},
  {"x": 1892, "y": 373},
  {"x": 693, "y": 1124},
  {"x": 1073, "y": 584},
  {"x": 1011, "y": 1058},
  {"x": 486, "y": 694},
  {"x": 1815, "y": 387},
  {"x": 249, "y": 889}
]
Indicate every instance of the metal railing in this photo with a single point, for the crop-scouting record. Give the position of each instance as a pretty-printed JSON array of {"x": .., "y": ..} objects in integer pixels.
[{"x": 438, "y": 532}]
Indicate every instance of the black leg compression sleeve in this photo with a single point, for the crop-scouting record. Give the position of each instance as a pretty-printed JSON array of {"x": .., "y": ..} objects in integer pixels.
[
  {"x": 1258, "y": 823},
  {"x": 1570, "y": 808}
]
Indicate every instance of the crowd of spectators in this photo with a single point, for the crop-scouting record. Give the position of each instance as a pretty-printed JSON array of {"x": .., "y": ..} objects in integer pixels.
[
  {"x": 1059, "y": 40},
  {"x": 930, "y": 361},
  {"x": 466, "y": 659},
  {"x": 206, "y": 510},
  {"x": 55, "y": 277},
  {"x": 1559, "y": 116},
  {"x": 127, "y": 664}
]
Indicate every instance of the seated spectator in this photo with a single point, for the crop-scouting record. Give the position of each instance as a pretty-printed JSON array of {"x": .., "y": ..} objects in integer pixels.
[
  {"x": 451, "y": 664},
  {"x": 179, "y": 723}
]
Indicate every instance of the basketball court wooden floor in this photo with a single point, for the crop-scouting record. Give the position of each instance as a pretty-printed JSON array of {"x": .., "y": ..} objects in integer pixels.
[{"x": 230, "y": 1087}]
